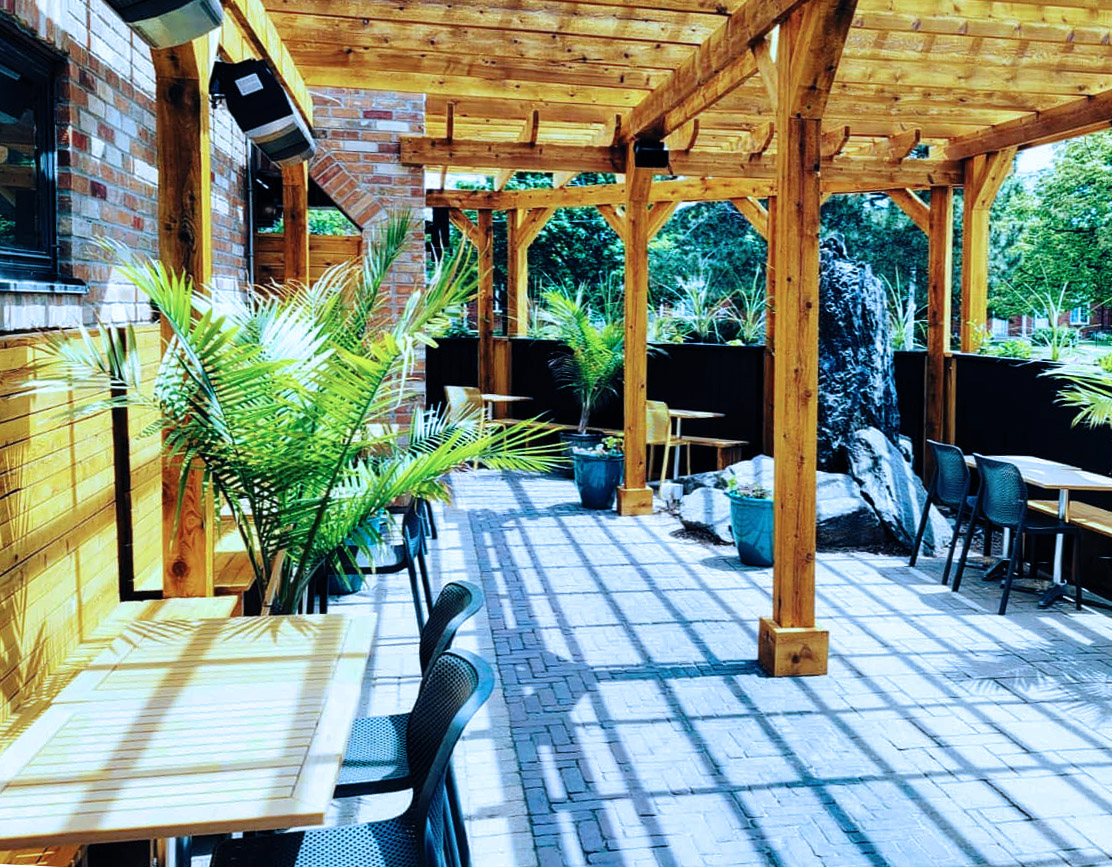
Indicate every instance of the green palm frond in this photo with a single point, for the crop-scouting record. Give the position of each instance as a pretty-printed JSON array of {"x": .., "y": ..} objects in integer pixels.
[{"x": 1089, "y": 390}]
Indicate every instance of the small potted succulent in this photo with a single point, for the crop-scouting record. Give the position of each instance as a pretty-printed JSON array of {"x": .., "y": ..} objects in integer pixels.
[
  {"x": 598, "y": 471},
  {"x": 751, "y": 521}
]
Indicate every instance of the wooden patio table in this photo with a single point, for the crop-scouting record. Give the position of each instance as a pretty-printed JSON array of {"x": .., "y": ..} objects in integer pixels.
[
  {"x": 679, "y": 415},
  {"x": 190, "y": 727},
  {"x": 1051, "y": 476}
]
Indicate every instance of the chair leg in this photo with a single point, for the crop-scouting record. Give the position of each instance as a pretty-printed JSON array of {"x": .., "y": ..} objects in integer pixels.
[
  {"x": 664, "y": 465},
  {"x": 462, "y": 846},
  {"x": 425, "y": 582},
  {"x": 1074, "y": 568},
  {"x": 922, "y": 527},
  {"x": 412, "y": 569},
  {"x": 953, "y": 543},
  {"x": 1012, "y": 567},
  {"x": 965, "y": 547}
]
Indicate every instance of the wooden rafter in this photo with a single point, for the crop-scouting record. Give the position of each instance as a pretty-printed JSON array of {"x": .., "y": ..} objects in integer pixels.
[
  {"x": 834, "y": 141},
  {"x": 910, "y": 203},
  {"x": 753, "y": 143},
  {"x": 528, "y": 135},
  {"x": 895, "y": 148}
]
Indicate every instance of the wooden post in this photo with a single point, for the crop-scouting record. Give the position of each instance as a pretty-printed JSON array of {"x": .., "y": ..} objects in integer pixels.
[
  {"x": 939, "y": 293},
  {"x": 295, "y": 220},
  {"x": 517, "y": 275},
  {"x": 983, "y": 176},
  {"x": 185, "y": 245},
  {"x": 634, "y": 496},
  {"x": 768, "y": 439},
  {"x": 485, "y": 244},
  {"x": 810, "y": 48}
]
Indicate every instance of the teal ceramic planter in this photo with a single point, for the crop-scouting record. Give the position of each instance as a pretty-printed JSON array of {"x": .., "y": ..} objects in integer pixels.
[
  {"x": 752, "y": 524},
  {"x": 343, "y": 585},
  {"x": 574, "y": 440},
  {"x": 597, "y": 477}
]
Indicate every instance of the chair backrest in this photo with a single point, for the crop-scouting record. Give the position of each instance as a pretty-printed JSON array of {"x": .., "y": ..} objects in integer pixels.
[
  {"x": 457, "y": 603},
  {"x": 951, "y": 474},
  {"x": 457, "y": 685},
  {"x": 1003, "y": 494},
  {"x": 463, "y": 401},
  {"x": 658, "y": 425},
  {"x": 413, "y": 531}
]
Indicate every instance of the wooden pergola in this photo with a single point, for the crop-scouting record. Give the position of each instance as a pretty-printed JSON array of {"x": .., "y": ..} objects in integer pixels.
[{"x": 786, "y": 101}]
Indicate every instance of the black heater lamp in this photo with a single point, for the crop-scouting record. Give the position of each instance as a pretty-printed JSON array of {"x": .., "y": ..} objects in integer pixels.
[
  {"x": 166, "y": 23},
  {"x": 650, "y": 154},
  {"x": 263, "y": 110}
]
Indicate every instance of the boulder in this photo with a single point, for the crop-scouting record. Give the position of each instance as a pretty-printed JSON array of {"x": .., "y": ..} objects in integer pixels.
[
  {"x": 857, "y": 386},
  {"x": 712, "y": 479},
  {"x": 761, "y": 470},
  {"x": 707, "y": 509},
  {"x": 895, "y": 492},
  {"x": 845, "y": 518}
]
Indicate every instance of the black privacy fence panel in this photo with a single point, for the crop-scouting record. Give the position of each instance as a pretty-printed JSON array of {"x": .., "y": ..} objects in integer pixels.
[
  {"x": 910, "y": 372},
  {"x": 725, "y": 379}
]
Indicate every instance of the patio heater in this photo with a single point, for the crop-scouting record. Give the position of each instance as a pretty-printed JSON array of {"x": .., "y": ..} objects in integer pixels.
[
  {"x": 650, "y": 154},
  {"x": 262, "y": 109},
  {"x": 166, "y": 23}
]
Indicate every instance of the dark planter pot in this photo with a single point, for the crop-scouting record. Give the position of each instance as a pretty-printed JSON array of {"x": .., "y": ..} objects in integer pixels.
[
  {"x": 343, "y": 585},
  {"x": 597, "y": 477},
  {"x": 579, "y": 441},
  {"x": 752, "y": 524}
]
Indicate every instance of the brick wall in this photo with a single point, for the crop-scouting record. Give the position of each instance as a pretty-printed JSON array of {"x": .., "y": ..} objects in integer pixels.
[
  {"x": 107, "y": 175},
  {"x": 358, "y": 165}
]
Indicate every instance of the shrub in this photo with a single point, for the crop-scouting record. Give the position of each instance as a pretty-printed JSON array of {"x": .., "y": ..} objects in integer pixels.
[
  {"x": 1013, "y": 348},
  {"x": 1105, "y": 362}
]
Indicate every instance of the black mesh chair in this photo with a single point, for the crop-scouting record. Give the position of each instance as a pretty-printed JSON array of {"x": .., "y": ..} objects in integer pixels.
[
  {"x": 949, "y": 487},
  {"x": 457, "y": 685},
  {"x": 375, "y": 760},
  {"x": 1002, "y": 503}
]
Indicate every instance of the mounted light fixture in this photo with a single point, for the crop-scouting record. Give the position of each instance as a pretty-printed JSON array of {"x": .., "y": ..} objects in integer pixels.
[
  {"x": 650, "y": 154},
  {"x": 263, "y": 110},
  {"x": 166, "y": 23}
]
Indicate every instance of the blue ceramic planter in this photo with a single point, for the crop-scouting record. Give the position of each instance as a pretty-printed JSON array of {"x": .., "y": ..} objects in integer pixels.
[
  {"x": 597, "y": 477},
  {"x": 576, "y": 440},
  {"x": 752, "y": 524},
  {"x": 342, "y": 585}
]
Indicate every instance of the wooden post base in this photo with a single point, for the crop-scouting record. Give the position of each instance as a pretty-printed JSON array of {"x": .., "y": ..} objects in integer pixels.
[
  {"x": 791, "y": 652},
  {"x": 635, "y": 501}
]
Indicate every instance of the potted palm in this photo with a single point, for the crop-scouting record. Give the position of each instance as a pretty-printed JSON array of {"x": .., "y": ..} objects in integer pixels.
[
  {"x": 598, "y": 472},
  {"x": 592, "y": 359},
  {"x": 751, "y": 521},
  {"x": 278, "y": 395}
]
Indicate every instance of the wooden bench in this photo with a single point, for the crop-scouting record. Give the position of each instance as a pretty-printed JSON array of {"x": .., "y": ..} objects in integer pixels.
[
  {"x": 39, "y": 698},
  {"x": 727, "y": 451},
  {"x": 1081, "y": 515}
]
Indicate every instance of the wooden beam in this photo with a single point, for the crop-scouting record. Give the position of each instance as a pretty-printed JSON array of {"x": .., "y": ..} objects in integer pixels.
[
  {"x": 522, "y": 228},
  {"x": 768, "y": 433},
  {"x": 1073, "y": 118},
  {"x": 983, "y": 177},
  {"x": 834, "y": 141},
  {"x": 257, "y": 28},
  {"x": 295, "y": 222},
  {"x": 824, "y": 26},
  {"x": 719, "y": 65},
  {"x": 634, "y": 496},
  {"x": 752, "y": 144},
  {"x": 762, "y": 54},
  {"x": 754, "y": 212},
  {"x": 485, "y": 303},
  {"x": 659, "y": 214},
  {"x": 519, "y": 156},
  {"x": 913, "y": 206},
  {"x": 895, "y": 148},
  {"x": 533, "y": 223},
  {"x": 615, "y": 219},
  {"x": 940, "y": 271},
  {"x": 528, "y": 135},
  {"x": 468, "y": 229},
  {"x": 184, "y": 149}
]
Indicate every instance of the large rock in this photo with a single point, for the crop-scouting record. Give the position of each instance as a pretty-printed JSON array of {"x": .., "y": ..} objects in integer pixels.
[
  {"x": 845, "y": 519},
  {"x": 895, "y": 492},
  {"x": 857, "y": 387}
]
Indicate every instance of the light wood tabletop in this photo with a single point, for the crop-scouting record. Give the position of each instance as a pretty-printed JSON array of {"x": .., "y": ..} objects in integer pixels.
[
  {"x": 681, "y": 414},
  {"x": 190, "y": 727}
]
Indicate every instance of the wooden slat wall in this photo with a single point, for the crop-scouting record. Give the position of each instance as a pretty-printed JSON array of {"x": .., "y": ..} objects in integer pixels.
[
  {"x": 324, "y": 252},
  {"x": 146, "y": 474},
  {"x": 58, "y": 557}
]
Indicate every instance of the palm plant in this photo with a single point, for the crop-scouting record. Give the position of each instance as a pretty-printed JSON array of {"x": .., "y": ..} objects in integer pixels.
[
  {"x": 595, "y": 346},
  {"x": 278, "y": 398},
  {"x": 1089, "y": 390},
  {"x": 749, "y": 309},
  {"x": 702, "y": 307}
]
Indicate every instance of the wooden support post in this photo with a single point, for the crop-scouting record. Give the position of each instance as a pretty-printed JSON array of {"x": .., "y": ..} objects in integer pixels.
[
  {"x": 517, "y": 275},
  {"x": 939, "y": 293},
  {"x": 768, "y": 433},
  {"x": 810, "y": 48},
  {"x": 295, "y": 221},
  {"x": 634, "y": 496},
  {"x": 983, "y": 177},
  {"x": 485, "y": 315},
  {"x": 185, "y": 245}
]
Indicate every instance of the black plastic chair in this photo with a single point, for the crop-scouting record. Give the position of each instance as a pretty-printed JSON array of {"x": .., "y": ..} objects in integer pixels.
[
  {"x": 949, "y": 487},
  {"x": 375, "y": 760},
  {"x": 1002, "y": 503},
  {"x": 457, "y": 685}
]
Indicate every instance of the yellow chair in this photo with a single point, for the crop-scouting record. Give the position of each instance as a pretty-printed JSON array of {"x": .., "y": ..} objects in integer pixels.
[
  {"x": 658, "y": 431},
  {"x": 463, "y": 401}
]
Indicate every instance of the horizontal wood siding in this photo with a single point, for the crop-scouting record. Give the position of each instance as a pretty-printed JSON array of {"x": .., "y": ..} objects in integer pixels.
[
  {"x": 58, "y": 556},
  {"x": 324, "y": 252}
]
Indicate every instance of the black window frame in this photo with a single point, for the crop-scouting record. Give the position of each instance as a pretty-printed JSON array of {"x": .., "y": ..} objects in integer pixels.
[{"x": 31, "y": 58}]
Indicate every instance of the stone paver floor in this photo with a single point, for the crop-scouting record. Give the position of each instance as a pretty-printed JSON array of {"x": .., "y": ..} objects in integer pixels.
[{"x": 632, "y": 725}]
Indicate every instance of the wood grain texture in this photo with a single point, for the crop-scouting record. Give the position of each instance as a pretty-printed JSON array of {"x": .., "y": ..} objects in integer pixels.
[
  {"x": 325, "y": 251},
  {"x": 983, "y": 176},
  {"x": 940, "y": 268},
  {"x": 295, "y": 220},
  {"x": 485, "y": 317}
]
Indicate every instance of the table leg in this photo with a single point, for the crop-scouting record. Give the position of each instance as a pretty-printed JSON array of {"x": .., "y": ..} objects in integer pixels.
[
  {"x": 1057, "y": 589},
  {"x": 676, "y": 454},
  {"x": 173, "y": 851}
]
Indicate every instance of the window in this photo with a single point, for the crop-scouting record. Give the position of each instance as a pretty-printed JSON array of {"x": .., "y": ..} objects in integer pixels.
[
  {"x": 1079, "y": 316},
  {"x": 999, "y": 327},
  {"x": 27, "y": 221}
]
